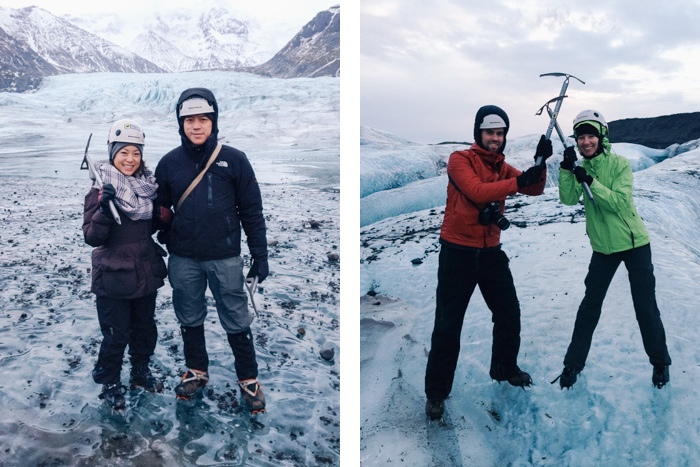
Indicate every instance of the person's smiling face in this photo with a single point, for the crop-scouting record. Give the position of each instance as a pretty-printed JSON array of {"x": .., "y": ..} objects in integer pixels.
[
  {"x": 127, "y": 160},
  {"x": 588, "y": 145},
  {"x": 493, "y": 138}
]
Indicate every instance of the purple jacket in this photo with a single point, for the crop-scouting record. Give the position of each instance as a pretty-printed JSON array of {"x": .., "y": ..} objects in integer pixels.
[{"x": 126, "y": 262}]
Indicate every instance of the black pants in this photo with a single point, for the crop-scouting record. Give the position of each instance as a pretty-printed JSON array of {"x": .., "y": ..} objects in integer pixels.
[
  {"x": 241, "y": 343},
  {"x": 124, "y": 322},
  {"x": 642, "y": 282},
  {"x": 459, "y": 272}
]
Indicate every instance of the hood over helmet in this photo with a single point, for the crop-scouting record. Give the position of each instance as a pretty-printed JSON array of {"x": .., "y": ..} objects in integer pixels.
[
  {"x": 490, "y": 116},
  {"x": 201, "y": 101}
]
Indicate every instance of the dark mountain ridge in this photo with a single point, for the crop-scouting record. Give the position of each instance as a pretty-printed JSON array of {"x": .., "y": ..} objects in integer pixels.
[{"x": 656, "y": 132}]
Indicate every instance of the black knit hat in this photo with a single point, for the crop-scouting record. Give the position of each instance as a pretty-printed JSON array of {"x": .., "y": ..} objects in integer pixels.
[{"x": 483, "y": 112}]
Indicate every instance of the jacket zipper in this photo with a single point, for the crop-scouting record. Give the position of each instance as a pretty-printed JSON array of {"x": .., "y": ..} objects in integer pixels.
[{"x": 209, "y": 190}]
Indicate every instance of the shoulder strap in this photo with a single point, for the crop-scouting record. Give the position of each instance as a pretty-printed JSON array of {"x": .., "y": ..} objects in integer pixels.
[
  {"x": 452, "y": 182},
  {"x": 199, "y": 177}
]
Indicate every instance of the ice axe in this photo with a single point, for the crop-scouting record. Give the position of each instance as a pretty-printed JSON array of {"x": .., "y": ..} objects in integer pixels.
[
  {"x": 584, "y": 185},
  {"x": 251, "y": 284},
  {"x": 88, "y": 164},
  {"x": 555, "y": 113},
  {"x": 553, "y": 124}
]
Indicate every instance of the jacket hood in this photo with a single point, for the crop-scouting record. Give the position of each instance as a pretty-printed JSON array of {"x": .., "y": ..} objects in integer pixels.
[
  {"x": 478, "y": 120},
  {"x": 206, "y": 94}
]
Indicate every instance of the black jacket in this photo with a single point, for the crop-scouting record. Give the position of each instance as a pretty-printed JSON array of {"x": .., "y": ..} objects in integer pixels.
[
  {"x": 126, "y": 262},
  {"x": 208, "y": 224}
]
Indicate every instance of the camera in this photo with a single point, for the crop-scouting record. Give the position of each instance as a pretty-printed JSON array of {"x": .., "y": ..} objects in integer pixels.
[{"x": 492, "y": 214}]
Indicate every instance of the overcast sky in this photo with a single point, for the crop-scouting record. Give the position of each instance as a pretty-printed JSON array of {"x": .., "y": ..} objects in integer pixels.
[
  {"x": 426, "y": 67},
  {"x": 285, "y": 16}
]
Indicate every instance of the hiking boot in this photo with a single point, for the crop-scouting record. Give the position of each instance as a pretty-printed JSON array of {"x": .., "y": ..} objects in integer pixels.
[
  {"x": 660, "y": 376},
  {"x": 113, "y": 394},
  {"x": 192, "y": 381},
  {"x": 567, "y": 378},
  {"x": 514, "y": 375},
  {"x": 520, "y": 379},
  {"x": 434, "y": 408},
  {"x": 253, "y": 395},
  {"x": 141, "y": 377}
]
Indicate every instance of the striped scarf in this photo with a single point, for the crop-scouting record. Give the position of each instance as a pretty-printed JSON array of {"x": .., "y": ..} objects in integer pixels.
[{"x": 135, "y": 195}]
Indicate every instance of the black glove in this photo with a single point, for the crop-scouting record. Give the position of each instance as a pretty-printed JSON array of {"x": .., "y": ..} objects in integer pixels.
[
  {"x": 569, "y": 159},
  {"x": 530, "y": 176},
  {"x": 544, "y": 149},
  {"x": 260, "y": 268},
  {"x": 108, "y": 194},
  {"x": 163, "y": 237},
  {"x": 582, "y": 175}
]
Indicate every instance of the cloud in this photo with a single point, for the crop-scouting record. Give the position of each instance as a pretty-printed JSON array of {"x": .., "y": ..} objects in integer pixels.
[{"x": 427, "y": 67}]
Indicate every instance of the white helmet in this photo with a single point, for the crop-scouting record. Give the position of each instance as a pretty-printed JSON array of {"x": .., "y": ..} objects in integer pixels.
[
  {"x": 195, "y": 106},
  {"x": 126, "y": 131},
  {"x": 493, "y": 121},
  {"x": 592, "y": 116}
]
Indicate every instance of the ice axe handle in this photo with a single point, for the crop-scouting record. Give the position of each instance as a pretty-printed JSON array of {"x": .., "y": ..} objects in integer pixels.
[
  {"x": 90, "y": 165},
  {"x": 251, "y": 284},
  {"x": 587, "y": 189}
]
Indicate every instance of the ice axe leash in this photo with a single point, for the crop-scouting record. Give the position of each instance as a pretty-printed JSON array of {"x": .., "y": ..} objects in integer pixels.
[
  {"x": 554, "y": 125},
  {"x": 88, "y": 164}
]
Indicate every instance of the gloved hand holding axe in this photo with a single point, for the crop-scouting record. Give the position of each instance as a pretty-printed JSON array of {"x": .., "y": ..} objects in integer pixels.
[{"x": 569, "y": 152}]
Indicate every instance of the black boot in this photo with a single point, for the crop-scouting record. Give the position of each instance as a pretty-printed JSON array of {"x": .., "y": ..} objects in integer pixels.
[
  {"x": 192, "y": 381},
  {"x": 434, "y": 408},
  {"x": 520, "y": 379},
  {"x": 141, "y": 377},
  {"x": 247, "y": 369},
  {"x": 660, "y": 376},
  {"x": 567, "y": 378},
  {"x": 514, "y": 375},
  {"x": 253, "y": 395},
  {"x": 113, "y": 394}
]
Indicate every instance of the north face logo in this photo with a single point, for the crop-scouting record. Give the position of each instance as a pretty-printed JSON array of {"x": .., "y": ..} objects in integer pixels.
[{"x": 222, "y": 164}]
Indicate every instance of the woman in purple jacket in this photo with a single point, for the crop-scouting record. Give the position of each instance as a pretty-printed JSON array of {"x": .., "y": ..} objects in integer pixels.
[{"x": 127, "y": 265}]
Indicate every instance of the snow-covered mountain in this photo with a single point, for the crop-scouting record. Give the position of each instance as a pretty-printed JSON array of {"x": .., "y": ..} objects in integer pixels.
[
  {"x": 214, "y": 39},
  {"x": 66, "y": 47},
  {"x": 22, "y": 67},
  {"x": 314, "y": 52},
  {"x": 39, "y": 44}
]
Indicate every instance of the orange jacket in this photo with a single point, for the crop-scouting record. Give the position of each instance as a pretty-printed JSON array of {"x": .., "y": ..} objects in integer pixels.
[{"x": 482, "y": 177}]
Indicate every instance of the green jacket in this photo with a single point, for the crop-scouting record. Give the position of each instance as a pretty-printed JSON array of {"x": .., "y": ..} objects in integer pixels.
[{"x": 612, "y": 222}]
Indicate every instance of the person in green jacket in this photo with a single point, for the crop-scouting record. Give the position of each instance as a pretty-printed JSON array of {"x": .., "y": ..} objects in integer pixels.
[{"x": 617, "y": 234}]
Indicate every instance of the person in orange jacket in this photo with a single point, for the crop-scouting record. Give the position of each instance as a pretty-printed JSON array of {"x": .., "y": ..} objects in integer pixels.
[{"x": 470, "y": 254}]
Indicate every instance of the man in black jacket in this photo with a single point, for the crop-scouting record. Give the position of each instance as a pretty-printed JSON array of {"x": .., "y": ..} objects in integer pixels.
[{"x": 204, "y": 241}]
